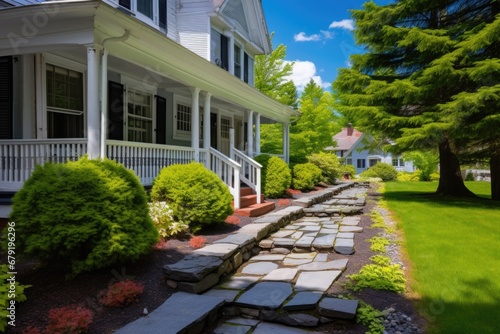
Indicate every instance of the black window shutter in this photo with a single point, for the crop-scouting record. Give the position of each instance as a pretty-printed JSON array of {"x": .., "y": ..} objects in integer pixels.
[
  {"x": 6, "y": 97},
  {"x": 125, "y": 3},
  {"x": 162, "y": 9},
  {"x": 115, "y": 111},
  {"x": 161, "y": 120},
  {"x": 224, "y": 52},
  {"x": 245, "y": 65}
]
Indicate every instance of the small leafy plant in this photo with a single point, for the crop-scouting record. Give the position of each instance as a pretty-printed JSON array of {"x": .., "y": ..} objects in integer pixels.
[
  {"x": 380, "y": 275},
  {"x": 9, "y": 290},
  {"x": 283, "y": 202},
  {"x": 69, "y": 320},
  {"x": 163, "y": 219},
  {"x": 197, "y": 242},
  {"x": 378, "y": 244},
  {"x": 121, "y": 293},
  {"x": 232, "y": 220},
  {"x": 370, "y": 317}
]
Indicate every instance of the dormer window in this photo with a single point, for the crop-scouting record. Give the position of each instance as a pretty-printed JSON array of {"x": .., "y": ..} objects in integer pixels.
[{"x": 151, "y": 12}]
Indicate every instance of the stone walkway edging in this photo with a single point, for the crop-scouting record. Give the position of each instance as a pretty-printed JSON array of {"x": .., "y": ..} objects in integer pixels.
[{"x": 200, "y": 271}]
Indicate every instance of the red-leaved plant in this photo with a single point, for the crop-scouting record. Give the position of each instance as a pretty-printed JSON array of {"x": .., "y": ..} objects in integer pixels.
[
  {"x": 121, "y": 293},
  {"x": 290, "y": 192},
  {"x": 283, "y": 202},
  {"x": 31, "y": 330},
  {"x": 197, "y": 242},
  {"x": 233, "y": 220},
  {"x": 71, "y": 319}
]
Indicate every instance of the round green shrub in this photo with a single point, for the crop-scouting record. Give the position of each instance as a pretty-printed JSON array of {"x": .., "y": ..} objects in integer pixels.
[
  {"x": 263, "y": 159},
  {"x": 84, "y": 215},
  {"x": 435, "y": 176},
  {"x": 349, "y": 170},
  {"x": 279, "y": 178},
  {"x": 305, "y": 176},
  {"x": 195, "y": 194},
  {"x": 408, "y": 177},
  {"x": 328, "y": 164},
  {"x": 382, "y": 170}
]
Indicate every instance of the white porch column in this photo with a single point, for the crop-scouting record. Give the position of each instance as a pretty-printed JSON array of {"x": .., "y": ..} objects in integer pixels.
[
  {"x": 231, "y": 143},
  {"x": 206, "y": 127},
  {"x": 104, "y": 102},
  {"x": 195, "y": 123},
  {"x": 93, "y": 111},
  {"x": 230, "y": 52},
  {"x": 250, "y": 142},
  {"x": 257, "y": 133},
  {"x": 286, "y": 142}
]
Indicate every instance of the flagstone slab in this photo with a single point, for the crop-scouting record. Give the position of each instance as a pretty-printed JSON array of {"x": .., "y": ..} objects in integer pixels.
[
  {"x": 309, "y": 256},
  {"x": 281, "y": 274},
  {"x": 266, "y": 295},
  {"x": 324, "y": 241},
  {"x": 243, "y": 321},
  {"x": 351, "y": 221},
  {"x": 316, "y": 280},
  {"x": 282, "y": 234},
  {"x": 340, "y": 264},
  {"x": 223, "y": 251},
  {"x": 321, "y": 257},
  {"x": 345, "y": 235},
  {"x": 258, "y": 230},
  {"x": 291, "y": 227},
  {"x": 310, "y": 228},
  {"x": 344, "y": 246},
  {"x": 192, "y": 268},
  {"x": 297, "y": 235},
  {"x": 227, "y": 295},
  {"x": 295, "y": 262},
  {"x": 304, "y": 242},
  {"x": 240, "y": 282},
  {"x": 355, "y": 229},
  {"x": 284, "y": 242},
  {"x": 328, "y": 231},
  {"x": 338, "y": 308},
  {"x": 232, "y": 329},
  {"x": 259, "y": 268},
  {"x": 268, "y": 257},
  {"x": 239, "y": 239},
  {"x": 304, "y": 300},
  {"x": 271, "y": 328}
]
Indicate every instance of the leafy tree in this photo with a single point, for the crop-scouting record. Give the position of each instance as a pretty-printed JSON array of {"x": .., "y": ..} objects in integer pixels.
[
  {"x": 425, "y": 162},
  {"x": 429, "y": 76}
]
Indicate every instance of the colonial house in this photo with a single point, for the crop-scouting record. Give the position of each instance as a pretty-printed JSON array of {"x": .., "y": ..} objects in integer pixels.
[
  {"x": 352, "y": 150},
  {"x": 147, "y": 83}
]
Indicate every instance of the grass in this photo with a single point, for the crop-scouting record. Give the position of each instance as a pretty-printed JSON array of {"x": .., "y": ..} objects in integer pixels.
[{"x": 454, "y": 247}]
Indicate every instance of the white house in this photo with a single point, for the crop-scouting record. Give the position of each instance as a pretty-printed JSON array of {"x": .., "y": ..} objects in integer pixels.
[
  {"x": 147, "y": 83},
  {"x": 351, "y": 147}
]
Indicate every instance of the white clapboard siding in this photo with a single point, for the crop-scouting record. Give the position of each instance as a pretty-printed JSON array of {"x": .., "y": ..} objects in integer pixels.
[{"x": 194, "y": 33}]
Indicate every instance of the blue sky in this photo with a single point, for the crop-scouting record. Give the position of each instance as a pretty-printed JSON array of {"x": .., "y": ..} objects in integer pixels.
[{"x": 317, "y": 33}]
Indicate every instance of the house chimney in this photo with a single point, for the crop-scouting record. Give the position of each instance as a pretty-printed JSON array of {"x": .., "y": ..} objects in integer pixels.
[{"x": 350, "y": 130}]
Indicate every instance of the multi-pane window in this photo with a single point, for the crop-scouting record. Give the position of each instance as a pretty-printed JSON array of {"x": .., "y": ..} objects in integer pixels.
[
  {"x": 360, "y": 163},
  {"x": 148, "y": 10},
  {"x": 225, "y": 125},
  {"x": 183, "y": 116},
  {"x": 398, "y": 162},
  {"x": 140, "y": 116},
  {"x": 65, "y": 107},
  {"x": 373, "y": 162},
  {"x": 145, "y": 7},
  {"x": 348, "y": 161},
  {"x": 237, "y": 61}
]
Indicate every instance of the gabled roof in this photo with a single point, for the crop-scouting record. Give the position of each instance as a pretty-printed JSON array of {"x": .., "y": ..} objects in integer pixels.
[{"x": 347, "y": 138}]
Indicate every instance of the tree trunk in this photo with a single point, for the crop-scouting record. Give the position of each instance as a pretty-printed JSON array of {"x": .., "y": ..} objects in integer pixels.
[
  {"x": 495, "y": 176},
  {"x": 450, "y": 181}
]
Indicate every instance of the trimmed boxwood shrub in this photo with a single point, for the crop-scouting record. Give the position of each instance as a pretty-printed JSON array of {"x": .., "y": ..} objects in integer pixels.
[
  {"x": 348, "y": 170},
  {"x": 84, "y": 215},
  {"x": 263, "y": 159},
  {"x": 195, "y": 194},
  {"x": 279, "y": 178},
  {"x": 328, "y": 164},
  {"x": 382, "y": 170},
  {"x": 305, "y": 176}
]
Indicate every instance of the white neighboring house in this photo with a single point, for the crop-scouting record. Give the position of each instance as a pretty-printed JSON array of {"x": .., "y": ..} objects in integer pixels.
[
  {"x": 351, "y": 148},
  {"x": 148, "y": 83}
]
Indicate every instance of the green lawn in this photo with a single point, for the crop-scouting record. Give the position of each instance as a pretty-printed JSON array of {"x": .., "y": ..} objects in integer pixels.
[{"x": 454, "y": 246}]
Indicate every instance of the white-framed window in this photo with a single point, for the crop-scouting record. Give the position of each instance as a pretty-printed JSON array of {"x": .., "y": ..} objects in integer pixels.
[
  {"x": 183, "y": 119},
  {"x": 398, "y": 162},
  {"x": 139, "y": 116},
  {"x": 225, "y": 125},
  {"x": 360, "y": 163},
  {"x": 348, "y": 161},
  {"x": 152, "y": 12},
  {"x": 373, "y": 161},
  {"x": 65, "y": 97},
  {"x": 237, "y": 61}
]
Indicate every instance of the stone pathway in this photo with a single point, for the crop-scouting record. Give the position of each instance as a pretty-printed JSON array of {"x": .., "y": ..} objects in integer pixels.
[{"x": 282, "y": 264}]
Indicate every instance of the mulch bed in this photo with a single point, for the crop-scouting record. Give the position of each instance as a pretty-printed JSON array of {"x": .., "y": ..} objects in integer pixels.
[{"x": 50, "y": 289}]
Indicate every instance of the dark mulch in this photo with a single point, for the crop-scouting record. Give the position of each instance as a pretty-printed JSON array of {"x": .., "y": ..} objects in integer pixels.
[{"x": 50, "y": 289}]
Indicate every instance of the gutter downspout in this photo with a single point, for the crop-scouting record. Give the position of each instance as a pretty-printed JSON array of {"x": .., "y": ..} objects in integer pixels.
[{"x": 104, "y": 88}]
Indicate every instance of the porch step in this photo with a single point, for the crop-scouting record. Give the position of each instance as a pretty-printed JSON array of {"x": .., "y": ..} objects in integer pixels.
[
  {"x": 245, "y": 191},
  {"x": 248, "y": 200},
  {"x": 255, "y": 210}
]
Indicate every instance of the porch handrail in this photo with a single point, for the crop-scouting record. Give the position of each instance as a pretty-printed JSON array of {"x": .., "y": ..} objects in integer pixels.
[
  {"x": 250, "y": 172},
  {"x": 147, "y": 159},
  {"x": 18, "y": 157},
  {"x": 228, "y": 171}
]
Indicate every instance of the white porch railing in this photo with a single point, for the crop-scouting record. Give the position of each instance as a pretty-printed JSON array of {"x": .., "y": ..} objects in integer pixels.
[
  {"x": 228, "y": 171},
  {"x": 18, "y": 158},
  {"x": 250, "y": 172},
  {"x": 147, "y": 160}
]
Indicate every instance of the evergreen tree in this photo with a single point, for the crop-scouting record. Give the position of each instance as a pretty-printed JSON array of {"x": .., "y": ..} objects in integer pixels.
[{"x": 426, "y": 63}]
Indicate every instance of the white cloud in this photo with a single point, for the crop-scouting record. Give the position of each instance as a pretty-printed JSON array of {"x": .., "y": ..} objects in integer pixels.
[
  {"x": 302, "y": 37},
  {"x": 303, "y": 72},
  {"x": 344, "y": 24},
  {"x": 327, "y": 34}
]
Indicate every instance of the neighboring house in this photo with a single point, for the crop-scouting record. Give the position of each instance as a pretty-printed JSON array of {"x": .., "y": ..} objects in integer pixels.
[
  {"x": 148, "y": 83},
  {"x": 351, "y": 148}
]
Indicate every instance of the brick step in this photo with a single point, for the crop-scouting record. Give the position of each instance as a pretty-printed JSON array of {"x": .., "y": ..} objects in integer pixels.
[
  {"x": 246, "y": 201},
  {"x": 255, "y": 210},
  {"x": 245, "y": 191}
]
